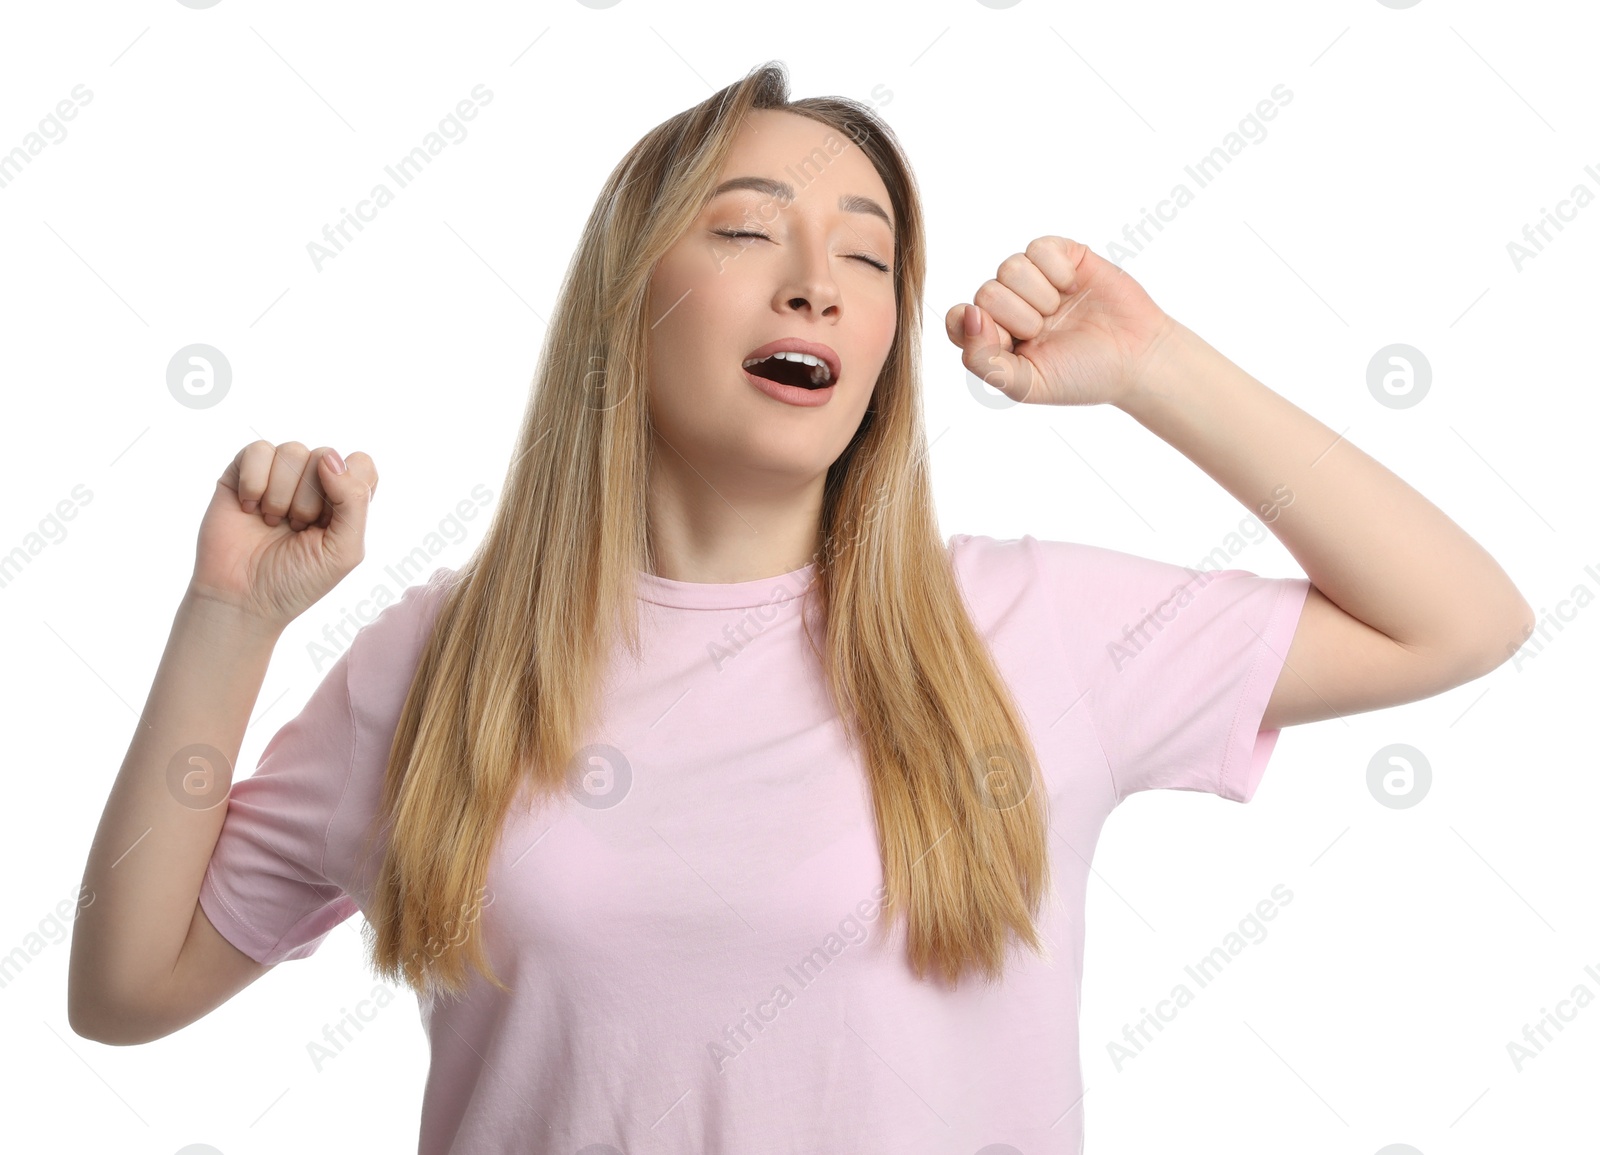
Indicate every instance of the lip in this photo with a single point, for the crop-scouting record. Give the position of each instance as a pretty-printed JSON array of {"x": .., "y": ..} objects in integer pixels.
[
  {"x": 796, "y": 345},
  {"x": 790, "y": 394}
]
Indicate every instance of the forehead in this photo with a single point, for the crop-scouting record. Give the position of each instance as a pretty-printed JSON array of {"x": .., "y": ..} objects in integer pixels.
[{"x": 804, "y": 153}]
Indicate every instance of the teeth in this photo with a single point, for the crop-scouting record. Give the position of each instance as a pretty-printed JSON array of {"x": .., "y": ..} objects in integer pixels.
[{"x": 820, "y": 373}]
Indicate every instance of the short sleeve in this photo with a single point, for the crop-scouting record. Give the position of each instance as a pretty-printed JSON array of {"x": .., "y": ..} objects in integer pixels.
[
  {"x": 280, "y": 877},
  {"x": 1176, "y": 664},
  {"x": 265, "y": 889}
]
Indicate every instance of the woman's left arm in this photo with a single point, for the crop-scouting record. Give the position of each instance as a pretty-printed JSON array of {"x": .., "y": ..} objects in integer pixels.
[{"x": 1404, "y": 604}]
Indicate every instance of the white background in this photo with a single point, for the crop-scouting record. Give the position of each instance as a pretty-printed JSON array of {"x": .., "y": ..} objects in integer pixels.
[{"x": 1377, "y": 209}]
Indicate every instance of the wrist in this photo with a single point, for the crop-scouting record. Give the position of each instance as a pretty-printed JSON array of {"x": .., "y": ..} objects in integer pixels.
[
  {"x": 215, "y": 614},
  {"x": 1167, "y": 362}
]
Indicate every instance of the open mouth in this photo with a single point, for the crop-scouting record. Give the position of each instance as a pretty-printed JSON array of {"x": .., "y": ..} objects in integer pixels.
[{"x": 798, "y": 369}]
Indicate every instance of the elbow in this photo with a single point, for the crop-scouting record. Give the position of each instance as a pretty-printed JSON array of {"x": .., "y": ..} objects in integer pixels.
[
  {"x": 83, "y": 1024},
  {"x": 1478, "y": 646},
  {"x": 109, "y": 1026},
  {"x": 87, "y": 1024},
  {"x": 111, "y": 1033},
  {"x": 83, "y": 1012},
  {"x": 1501, "y": 643}
]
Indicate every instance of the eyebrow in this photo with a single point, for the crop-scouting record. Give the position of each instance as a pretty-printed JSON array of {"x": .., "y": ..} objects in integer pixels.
[{"x": 784, "y": 191}]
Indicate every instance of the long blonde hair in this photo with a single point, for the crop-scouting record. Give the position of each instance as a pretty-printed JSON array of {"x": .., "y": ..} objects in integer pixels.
[{"x": 509, "y": 676}]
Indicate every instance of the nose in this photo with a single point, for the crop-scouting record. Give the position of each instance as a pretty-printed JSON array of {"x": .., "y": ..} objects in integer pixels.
[{"x": 809, "y": 284}]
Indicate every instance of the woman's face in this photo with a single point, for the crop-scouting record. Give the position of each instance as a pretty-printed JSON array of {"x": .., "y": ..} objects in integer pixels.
[{"x": 811, "y": 274}]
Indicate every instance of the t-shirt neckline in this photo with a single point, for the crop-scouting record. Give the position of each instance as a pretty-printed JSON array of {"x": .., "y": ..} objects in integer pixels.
[{"x": 726, "y": 595}]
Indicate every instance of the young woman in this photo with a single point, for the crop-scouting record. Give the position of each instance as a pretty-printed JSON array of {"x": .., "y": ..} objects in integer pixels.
[{"x": 716, "y": 804}]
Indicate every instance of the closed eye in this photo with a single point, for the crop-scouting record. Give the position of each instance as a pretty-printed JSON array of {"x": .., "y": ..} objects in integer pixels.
[{"x": 873, "y": 261}]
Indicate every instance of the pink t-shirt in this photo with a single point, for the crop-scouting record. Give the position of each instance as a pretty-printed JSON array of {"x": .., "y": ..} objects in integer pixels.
[{"x": 689, "y": 935}]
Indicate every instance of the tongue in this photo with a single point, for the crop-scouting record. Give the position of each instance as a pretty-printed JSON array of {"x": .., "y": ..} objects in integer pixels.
[{"x": 784, "y": 372}]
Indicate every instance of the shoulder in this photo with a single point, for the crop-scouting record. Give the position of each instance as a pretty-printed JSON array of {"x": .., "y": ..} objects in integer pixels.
[
  {"x": 384, "y": 654},
  {"x": 987, "y": 563},
  {"x": 402, "y": 623},
  {"x": 1075, "y": 568},
  {"x": 1090, "y": 593},
  {"x": 1009, "y": 583}
]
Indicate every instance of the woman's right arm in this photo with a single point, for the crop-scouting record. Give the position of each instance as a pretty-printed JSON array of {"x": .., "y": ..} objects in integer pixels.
[
  {"x": 126, "y": 982},
  {"x": 285, "y": 525}
]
